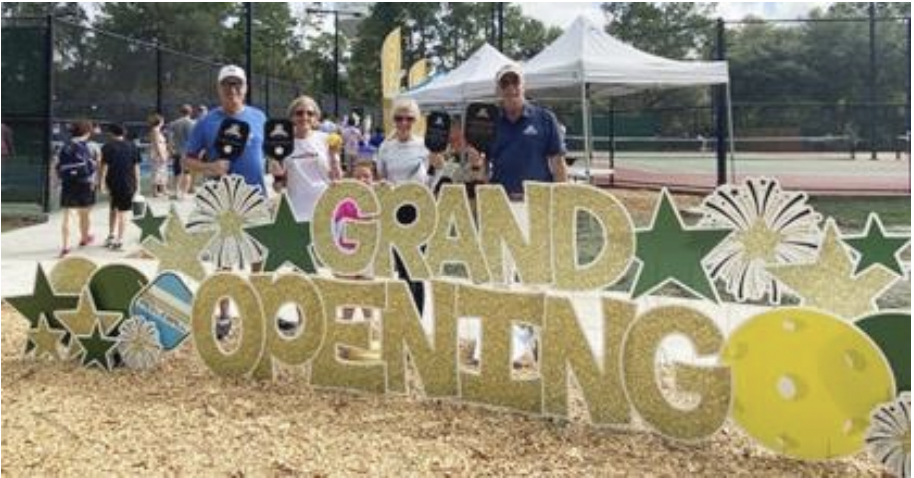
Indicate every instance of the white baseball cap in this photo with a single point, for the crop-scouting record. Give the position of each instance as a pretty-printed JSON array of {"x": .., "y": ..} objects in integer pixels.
[
  {"x": 510, "y": 68},
  {"x": 232, "y": 71}
]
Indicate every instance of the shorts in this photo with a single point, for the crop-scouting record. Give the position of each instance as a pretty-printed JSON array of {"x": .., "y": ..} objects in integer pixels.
[
  {"x": 176, "y": 165},
  {"x": 77, "y": 195},
  {"x": 121, "y": 200}
]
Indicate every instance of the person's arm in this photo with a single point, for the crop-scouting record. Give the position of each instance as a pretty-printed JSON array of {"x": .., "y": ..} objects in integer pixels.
[
  {"x": 336, "y": 171},
  {"x": 382, "y": 163},
  {"x": 556, "y": 153},
  {"x": 278, "y": 170},
  {"x": 102, "y": 172},
  {"x": 195, "y": 150}
]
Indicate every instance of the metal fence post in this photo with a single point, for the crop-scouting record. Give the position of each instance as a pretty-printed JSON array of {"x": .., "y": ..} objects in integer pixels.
[
  {"x": 871, "y": 79},
  {"x": 48, "y": 149},
  {"x": 159, "y": 105},
  {"x": 720, "y": 108}
]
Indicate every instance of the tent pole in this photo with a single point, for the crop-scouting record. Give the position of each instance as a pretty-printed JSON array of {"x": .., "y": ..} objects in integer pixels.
[
  {"x": 585, "y": 123},
  {"x": 732, "y": 137}
]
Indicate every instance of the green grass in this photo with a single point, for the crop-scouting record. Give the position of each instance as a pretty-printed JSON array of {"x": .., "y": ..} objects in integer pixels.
[{"x": 851, "y": 212}]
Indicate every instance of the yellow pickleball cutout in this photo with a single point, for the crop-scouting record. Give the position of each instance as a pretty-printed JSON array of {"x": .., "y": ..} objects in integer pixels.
[{"x": 805, "y": 382}]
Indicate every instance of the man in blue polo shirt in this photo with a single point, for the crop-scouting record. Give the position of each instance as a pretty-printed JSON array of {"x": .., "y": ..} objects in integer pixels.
[
  {"x": 202, "y": 141},
  {"x": 529, "y": 145},
  {"x": 201, "y": 155}
]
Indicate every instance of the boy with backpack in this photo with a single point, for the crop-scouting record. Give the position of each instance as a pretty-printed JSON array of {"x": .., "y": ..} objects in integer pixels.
[
  {"x": 120, "y": 176},
  {"x": 76, "y": 164}
]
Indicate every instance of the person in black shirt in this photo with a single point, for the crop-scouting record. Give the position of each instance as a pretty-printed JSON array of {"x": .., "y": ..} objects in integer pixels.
[{"x": 120, "y": 172}]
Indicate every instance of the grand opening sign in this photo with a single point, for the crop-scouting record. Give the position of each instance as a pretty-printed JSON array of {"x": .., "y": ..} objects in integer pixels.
[{"x": 815, "y": 379}]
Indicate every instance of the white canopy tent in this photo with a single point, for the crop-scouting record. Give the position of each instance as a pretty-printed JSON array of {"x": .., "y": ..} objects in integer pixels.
[
  {"x": 473, "y": 80},
  {"x": 587, "y": 62}
]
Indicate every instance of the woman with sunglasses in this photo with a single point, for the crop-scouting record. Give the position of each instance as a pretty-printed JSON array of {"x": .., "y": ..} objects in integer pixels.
[
  {"x": 403, "y": 156},
  {"x": 313, "y": 164}
]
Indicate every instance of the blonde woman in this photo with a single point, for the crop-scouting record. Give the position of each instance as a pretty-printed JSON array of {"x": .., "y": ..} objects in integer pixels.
[
  {"x": 313, "y": 164},
  {"x": 403, "y": 156},
  {"x": 158, "y": 154}
]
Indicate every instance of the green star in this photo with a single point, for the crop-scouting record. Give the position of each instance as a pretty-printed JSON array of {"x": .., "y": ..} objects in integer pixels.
[
  {"x": 668, "y": 251},
  {"x": 43, "y": 301},
  {"x": 875, "y": 247},
  {"x": 285, "y": 239},
  {"x": 150, "y": 224},
  {"x": 96, "y": 348}
]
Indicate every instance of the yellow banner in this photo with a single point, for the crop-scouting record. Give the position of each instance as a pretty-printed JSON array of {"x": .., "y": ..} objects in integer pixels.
[
  {"x": 391, "y": 60},
  {"x": 417, "y": 74}
]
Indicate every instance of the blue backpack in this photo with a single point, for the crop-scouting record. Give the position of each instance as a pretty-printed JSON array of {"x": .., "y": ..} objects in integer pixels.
[{"x": 75, "y": 164}]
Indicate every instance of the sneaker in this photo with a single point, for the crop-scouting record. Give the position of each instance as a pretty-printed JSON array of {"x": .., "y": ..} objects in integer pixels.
[
  {"x": 223, "y": 327},
  {"x": 287, "y": 327},
  {"x": 109, "y": 241},
  {"x": 87, "y": 240},
  {"x": 64, "y": 252},
  {"x": 116, "y": 245}
]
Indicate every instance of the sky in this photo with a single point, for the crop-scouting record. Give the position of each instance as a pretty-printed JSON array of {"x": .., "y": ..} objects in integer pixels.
[{"x": 562, "y": 14}]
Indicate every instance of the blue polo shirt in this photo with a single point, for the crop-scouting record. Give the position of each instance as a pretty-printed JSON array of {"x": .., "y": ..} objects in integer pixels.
[
  {"x": 522, "y": 149},
  {"x": 250, "y": 164}
]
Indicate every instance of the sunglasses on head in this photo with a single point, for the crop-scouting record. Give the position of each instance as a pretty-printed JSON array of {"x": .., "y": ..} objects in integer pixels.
[
  {"x": 404, "y": 119},
  {"x": 310, "y": 113}
]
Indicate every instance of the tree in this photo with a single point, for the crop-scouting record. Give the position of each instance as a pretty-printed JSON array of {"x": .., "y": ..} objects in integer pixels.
[
  {"x": 672, "y": 30},
  {"x": 445, "y": 33}
]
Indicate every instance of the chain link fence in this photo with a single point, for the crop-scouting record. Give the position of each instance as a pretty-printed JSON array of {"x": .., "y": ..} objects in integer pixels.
[
  {"x": 55, "y": 72},
  {"x": 812, "y": 102}
]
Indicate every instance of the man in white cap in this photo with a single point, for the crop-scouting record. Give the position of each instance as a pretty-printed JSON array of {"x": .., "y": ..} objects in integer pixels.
[
  {"x": 529, "y": 144},
  {"x": 200, "y": 153}
]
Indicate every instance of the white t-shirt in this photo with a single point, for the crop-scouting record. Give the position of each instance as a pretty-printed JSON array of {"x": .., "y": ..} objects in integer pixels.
[
  {"x": 307, "y": 173},
  {"x": 401, "y": 161}
]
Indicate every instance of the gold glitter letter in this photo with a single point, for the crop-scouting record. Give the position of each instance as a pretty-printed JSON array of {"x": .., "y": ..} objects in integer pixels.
[
  {"x": 711, "y": 384},
  {"x": 618, "y": 248}
]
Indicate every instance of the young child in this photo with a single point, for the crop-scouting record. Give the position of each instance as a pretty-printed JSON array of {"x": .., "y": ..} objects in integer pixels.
[
  {"x": 120, "y": 176},
  {"x": 362, "y": 171},
  {"x": 76, "y": 167}
]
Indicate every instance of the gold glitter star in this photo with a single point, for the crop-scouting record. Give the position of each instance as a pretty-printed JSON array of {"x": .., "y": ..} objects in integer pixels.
[
  {"x": 46, "y": 339},
  {"x": 82, "y": 320},
  {"x": 830, "y": 283},
  {"x": 181, "y": 250}
]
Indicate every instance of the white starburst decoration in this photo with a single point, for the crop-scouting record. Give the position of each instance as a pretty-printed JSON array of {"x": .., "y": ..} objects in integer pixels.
[
  {"x": 888, "y": 438},
  {"x": 138, "y": 343},
  {"x": 770, "y": 227},
  {"x": 226, "y": 207}
]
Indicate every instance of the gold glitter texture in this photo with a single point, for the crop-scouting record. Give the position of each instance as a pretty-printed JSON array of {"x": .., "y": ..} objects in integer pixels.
[
  {"x": 618, "y": 237},
  {"x": 530, "y": 247},
  {"x": 461, "y": 247},
  {"x": 71, "y": 274},
  {"x": 245, "y": 357},
  {"x": 498, "y": 311},
  {"x": 298, "y": 349},
  {"x": 328, "y": 369},
  {"x": 406, "y": 239},
  {"x": 47, "y": 340},
  {"x": 566, "y": 349},
  {"x": 804, "y": 382},
  {"x": 711, "y": 383},
  {"x": 433, "y": 356},
  {"x": 829, "y": 283},
  {"x": 181, "y": 250},
  {"x": 364, "y": 233},
  {"x": 82, "y": 320}
]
